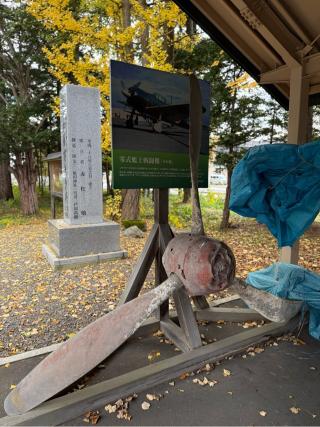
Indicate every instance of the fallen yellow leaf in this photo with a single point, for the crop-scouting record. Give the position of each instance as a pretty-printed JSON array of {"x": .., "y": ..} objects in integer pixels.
[
  {"x": 295, "y": 410},
  {"x": 145, "y": 406},
  {"x": 226, "y": 373}
]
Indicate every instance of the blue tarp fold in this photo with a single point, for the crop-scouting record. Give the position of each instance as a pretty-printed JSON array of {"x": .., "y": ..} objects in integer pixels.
[
  {"x": 291, "y": 282},
  {"x": 279, "y": 185}
]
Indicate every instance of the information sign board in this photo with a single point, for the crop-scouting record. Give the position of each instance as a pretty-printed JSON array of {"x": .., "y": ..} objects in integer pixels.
[{"x": 150, "y": 128}]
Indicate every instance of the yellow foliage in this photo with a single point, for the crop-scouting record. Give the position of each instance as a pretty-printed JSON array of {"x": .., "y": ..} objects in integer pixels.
[
  {"x": 113, "y": 206},
  {"x": 176, "y": 221},
  {"x": 87, "y": 38},
  {"x": 243, "y": 82}
]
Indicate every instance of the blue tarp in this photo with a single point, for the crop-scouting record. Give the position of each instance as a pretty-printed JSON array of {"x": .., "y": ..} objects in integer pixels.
[
  {"x": 294, "y": 283},
  {"x": 279, "y": 185}
]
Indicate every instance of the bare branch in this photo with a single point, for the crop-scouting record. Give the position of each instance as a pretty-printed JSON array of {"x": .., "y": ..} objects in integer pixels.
[{"x": 3, "y": 99}]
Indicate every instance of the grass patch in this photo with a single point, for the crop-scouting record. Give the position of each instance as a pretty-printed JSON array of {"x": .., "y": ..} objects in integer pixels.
[
  {"x": 10, "y": 212},
  {"x": 180, "y": 214}
]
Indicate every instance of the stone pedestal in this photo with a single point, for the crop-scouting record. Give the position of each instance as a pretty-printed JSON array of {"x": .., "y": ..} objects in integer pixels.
[{"x": 75, "y": 244}]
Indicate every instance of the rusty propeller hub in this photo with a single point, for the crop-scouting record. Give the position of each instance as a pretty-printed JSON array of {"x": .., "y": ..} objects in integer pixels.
[{"x": 203, "y": 264}]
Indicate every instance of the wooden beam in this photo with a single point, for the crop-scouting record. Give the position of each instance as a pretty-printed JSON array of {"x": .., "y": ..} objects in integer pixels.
[
  {"x": 262, "y": 18},
  {"x": 298, "y": 106},
  {"x": 226, "y": 18},
  {"x": 311, "y": 66},
  {"x": 228, "y": 314},
  {"x": 290, "y": 254},
  {"x": 165, "y": 235},
  {"x": 175, "y": 334},
  {"x": 142, "y": 267},
  {"x": 200, "y": 302},
  {"x": 225, "y": 300},
  {"x": 278, "y": 75},
  {"x": 64, "y": 408},
  {"x": 314, "y": 89},
  {"x": 161, "y": 205},
  {"x": 293, "y": 23},
  {"x": 187, "y": 318},
  {"x": 297, "y": 133}
]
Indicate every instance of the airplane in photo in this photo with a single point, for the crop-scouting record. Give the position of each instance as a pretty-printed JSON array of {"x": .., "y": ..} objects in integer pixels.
[{"x": 154, "y": 108}]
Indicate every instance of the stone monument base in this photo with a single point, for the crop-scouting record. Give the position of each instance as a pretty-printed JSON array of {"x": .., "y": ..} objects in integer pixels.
[{"x": 71, "y": 245}]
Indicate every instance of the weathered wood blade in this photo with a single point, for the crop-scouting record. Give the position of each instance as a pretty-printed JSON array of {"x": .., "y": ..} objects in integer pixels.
[{"x": 85, "y": 350}]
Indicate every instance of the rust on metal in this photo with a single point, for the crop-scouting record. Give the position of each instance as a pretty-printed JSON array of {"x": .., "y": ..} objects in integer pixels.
[
  {"x": 86, "y": 349},
  {"x": 201, "y": 264},
  {"x": 204, "y": 265}
]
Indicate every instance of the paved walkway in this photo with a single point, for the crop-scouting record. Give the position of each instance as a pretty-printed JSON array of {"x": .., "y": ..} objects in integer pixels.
[
  {"x": 282, "y": 383},
  {"x": 275, "y": 384}
]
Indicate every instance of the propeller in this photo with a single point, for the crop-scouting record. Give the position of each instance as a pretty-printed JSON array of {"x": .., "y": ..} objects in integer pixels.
[
  {"x": 200, "y": 264},
  {"x": 129, "y": 91}
]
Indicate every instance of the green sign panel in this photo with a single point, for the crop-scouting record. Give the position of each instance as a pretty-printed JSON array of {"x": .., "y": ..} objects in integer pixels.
[{"x": 150, "y": 128}]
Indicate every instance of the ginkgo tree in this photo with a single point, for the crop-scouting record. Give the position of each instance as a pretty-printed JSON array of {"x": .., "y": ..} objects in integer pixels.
[{"x": 88, "y": 33}]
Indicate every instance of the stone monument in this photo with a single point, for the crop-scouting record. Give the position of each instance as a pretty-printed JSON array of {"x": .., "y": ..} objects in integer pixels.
[{"x": 82, "y": 236}]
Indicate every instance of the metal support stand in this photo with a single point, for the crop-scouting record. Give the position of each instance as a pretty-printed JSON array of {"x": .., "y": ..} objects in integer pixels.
[{"x": 186, "y": 336}]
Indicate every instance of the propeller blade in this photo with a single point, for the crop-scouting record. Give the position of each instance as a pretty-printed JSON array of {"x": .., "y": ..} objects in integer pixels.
[
  {"x": 86, "y": 349},
  {"x": 125, "y": 93}
]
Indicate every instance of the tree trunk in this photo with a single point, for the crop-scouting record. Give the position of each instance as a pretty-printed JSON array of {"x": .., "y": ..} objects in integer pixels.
[
  {"x": 126, "y": 17},
  {"x": 107, "y": 171},
  {"x": 5, "y": 181},
  {"x": 130, "y": 198},
  {"x": 226, "y": 211},
  {"x": 26, "y": 174},
  {"x": 272, "y": 125},
  {"x": 191, "y": 27},
  {"x": 144, "y": 40},
  {"x": 186, "y": 195},
  {"x": 168, "y": 43},
  {"x": 109, "y": 188},
  {"x": 130, "y": 204}
]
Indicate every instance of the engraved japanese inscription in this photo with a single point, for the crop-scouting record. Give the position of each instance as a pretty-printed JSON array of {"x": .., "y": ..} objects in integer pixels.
[{"x": 81, "y": 155}]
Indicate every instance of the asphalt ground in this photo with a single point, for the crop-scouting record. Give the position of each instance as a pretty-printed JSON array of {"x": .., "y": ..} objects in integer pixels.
[
  {"x": 279, "y": 386},
  {"x": 272, "y": 384}
]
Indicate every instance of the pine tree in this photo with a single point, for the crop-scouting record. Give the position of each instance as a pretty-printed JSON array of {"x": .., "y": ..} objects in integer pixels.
[
  {"x": 274, "y": 122},
  {"x": 236, "y": 110},
  {"x": 25, "y": 90}
]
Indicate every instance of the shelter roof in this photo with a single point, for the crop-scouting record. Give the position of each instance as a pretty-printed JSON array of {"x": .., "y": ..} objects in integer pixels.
[
  {"x": 53, "y": 156},
  {"x": 267, "y": 38}
]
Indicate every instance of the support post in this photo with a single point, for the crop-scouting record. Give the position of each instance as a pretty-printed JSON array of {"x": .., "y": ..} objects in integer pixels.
[
  {"x": 161, "y": 214},
  {"x": 297, "y": 134}
]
